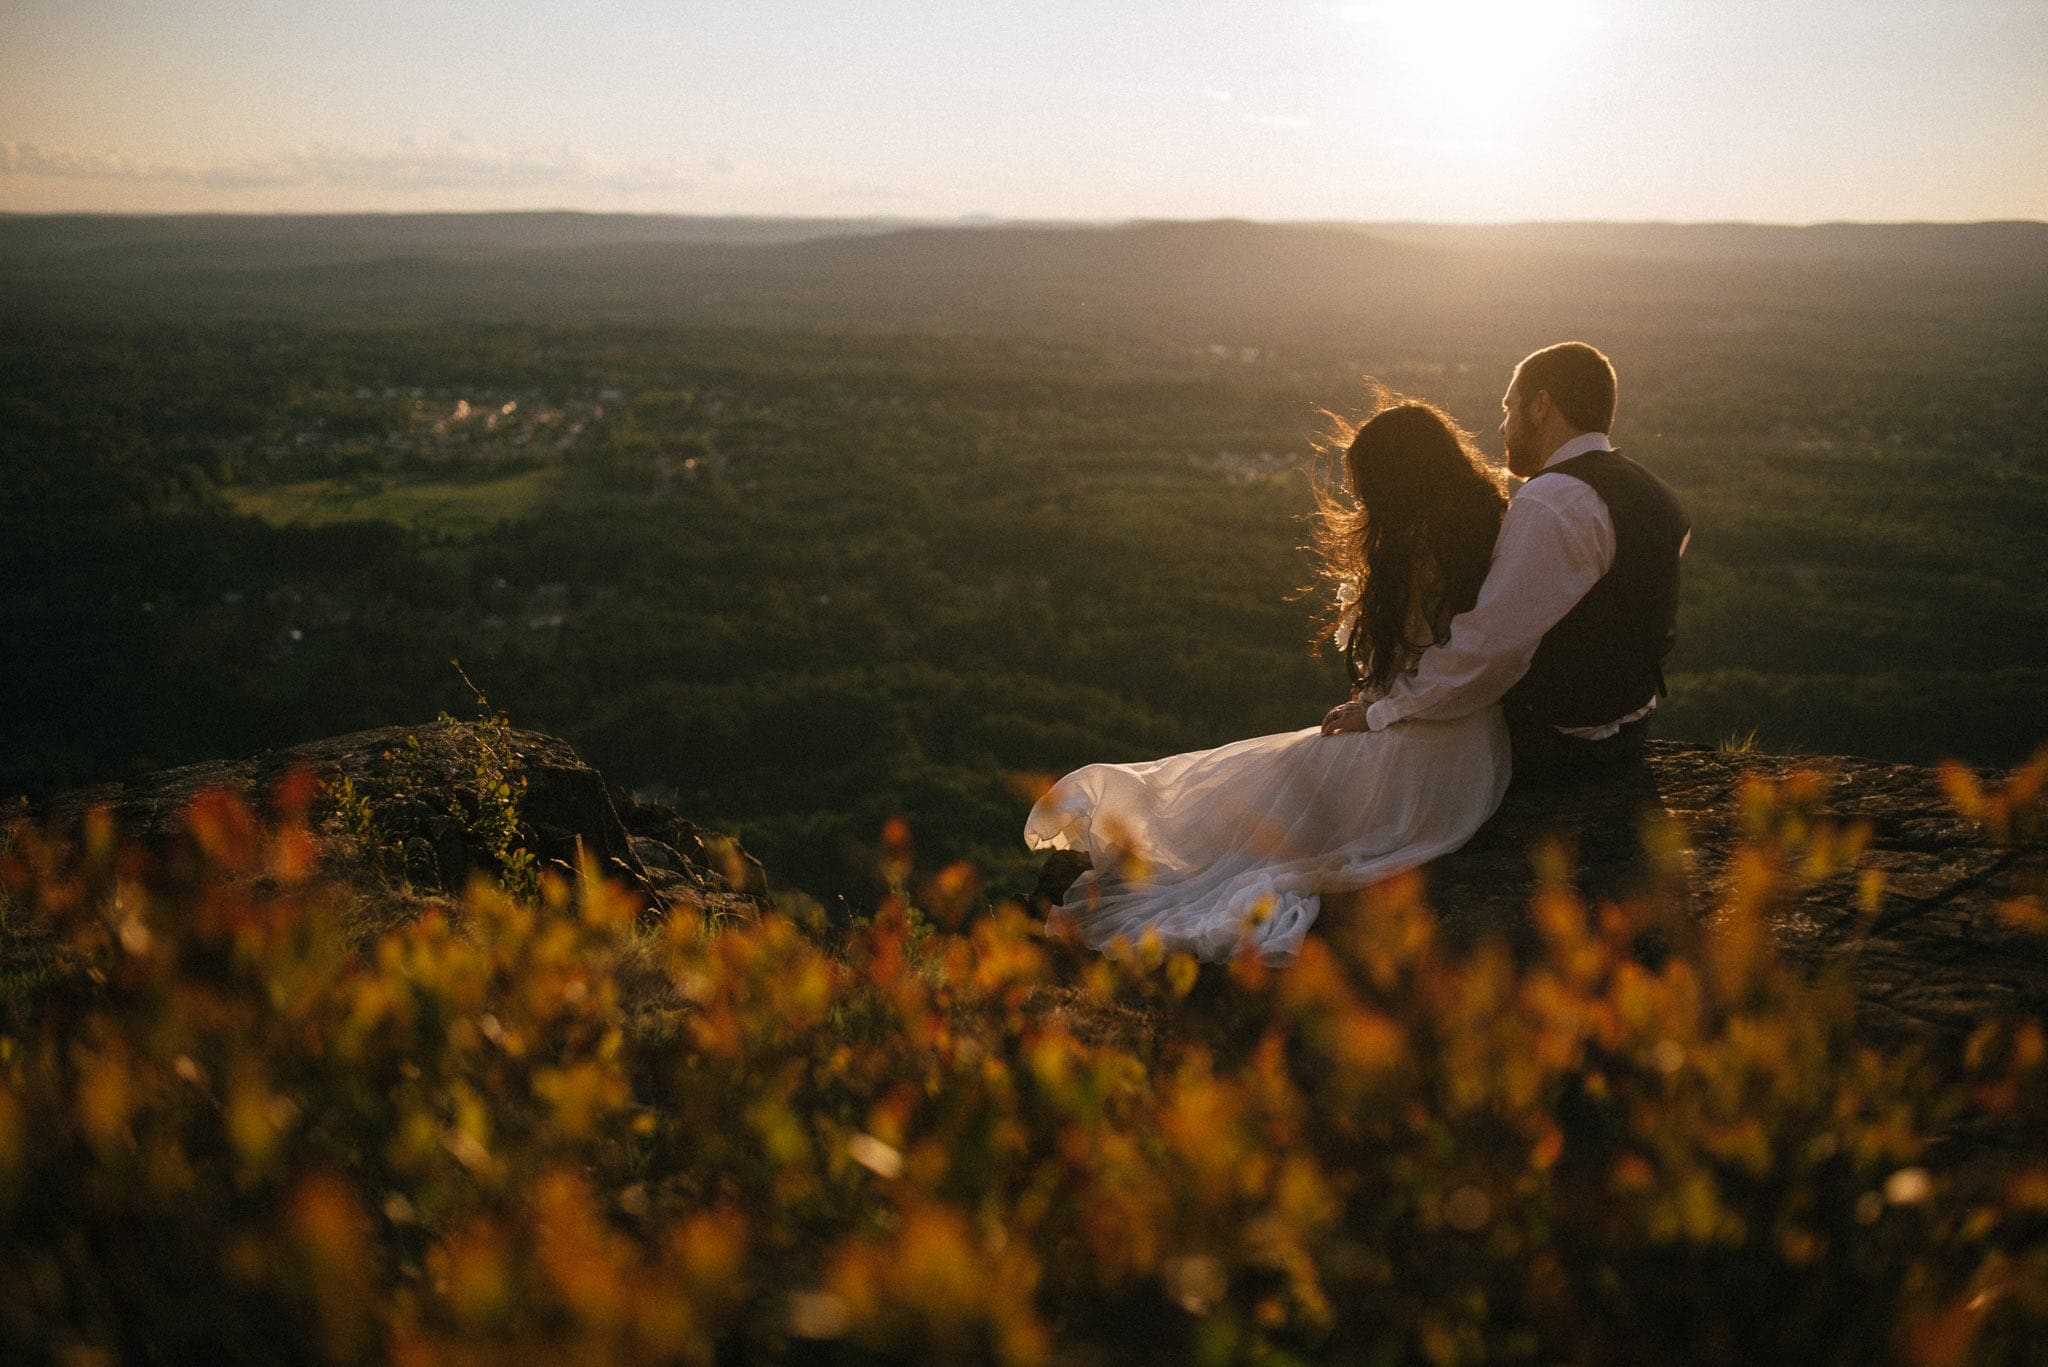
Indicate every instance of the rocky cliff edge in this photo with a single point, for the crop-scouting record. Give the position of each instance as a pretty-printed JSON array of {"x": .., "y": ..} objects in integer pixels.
[{"x": 1927, "y": 946}]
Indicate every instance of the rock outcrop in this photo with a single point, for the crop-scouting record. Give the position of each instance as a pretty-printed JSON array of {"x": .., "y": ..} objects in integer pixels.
[
  {"x": 1937, "y": 955},
  {"x": 425, "y": 800}
]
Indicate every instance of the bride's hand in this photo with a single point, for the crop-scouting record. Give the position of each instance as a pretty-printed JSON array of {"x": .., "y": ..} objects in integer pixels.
[{"x": 1345, "y": 716}]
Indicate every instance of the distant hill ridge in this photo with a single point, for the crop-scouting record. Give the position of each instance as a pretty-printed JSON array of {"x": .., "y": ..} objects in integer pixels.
[
  {"x": 1283, "y": 279},
  {"x": 143, "y": 241}
]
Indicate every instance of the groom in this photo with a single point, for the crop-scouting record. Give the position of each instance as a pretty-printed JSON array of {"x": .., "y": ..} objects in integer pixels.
[{"x": 1578, "y": 611}]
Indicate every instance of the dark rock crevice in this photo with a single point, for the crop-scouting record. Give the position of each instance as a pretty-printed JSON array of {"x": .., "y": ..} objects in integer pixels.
[{"x": 1936, "y": 957}]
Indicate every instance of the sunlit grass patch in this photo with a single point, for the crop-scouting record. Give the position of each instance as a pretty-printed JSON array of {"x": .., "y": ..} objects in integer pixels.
[{"x": 454, "y": 507}]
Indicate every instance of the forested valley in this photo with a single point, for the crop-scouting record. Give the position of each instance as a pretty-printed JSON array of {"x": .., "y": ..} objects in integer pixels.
[{"x": 801, "y": 529}]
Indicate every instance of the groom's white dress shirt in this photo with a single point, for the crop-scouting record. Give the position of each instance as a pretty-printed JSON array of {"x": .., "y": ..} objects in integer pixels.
[{"x": 1555, "y": 543}]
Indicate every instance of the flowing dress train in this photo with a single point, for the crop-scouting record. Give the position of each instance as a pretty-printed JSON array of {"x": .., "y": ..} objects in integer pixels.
[{"x": 1236, "y": 845}]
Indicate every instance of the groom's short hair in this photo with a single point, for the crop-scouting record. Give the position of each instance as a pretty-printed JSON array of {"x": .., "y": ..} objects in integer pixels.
[{"x": 1579, "y": 380}]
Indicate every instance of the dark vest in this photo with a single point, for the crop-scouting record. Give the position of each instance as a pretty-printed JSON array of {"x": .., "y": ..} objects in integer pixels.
[{"x": 1605, "y": 658}]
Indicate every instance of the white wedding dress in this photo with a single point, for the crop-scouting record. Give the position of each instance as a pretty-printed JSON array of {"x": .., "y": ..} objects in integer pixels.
[{"x": 1236, "y": 845}]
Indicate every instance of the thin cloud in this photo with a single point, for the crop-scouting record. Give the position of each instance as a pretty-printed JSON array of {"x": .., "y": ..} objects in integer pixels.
[
  {"x": 1485, "y": 146},
  {"x": 1288, "y": 122},
  {"x": 27, "y": 159},
  {"x": 457, "y": 164}
]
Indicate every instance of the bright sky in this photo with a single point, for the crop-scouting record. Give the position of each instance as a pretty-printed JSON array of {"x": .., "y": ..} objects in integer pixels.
[{"x": 1773, "y": 110}]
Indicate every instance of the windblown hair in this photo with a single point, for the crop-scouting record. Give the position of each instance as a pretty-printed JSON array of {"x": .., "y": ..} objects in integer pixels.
[{"x": 1414, "y": 535}]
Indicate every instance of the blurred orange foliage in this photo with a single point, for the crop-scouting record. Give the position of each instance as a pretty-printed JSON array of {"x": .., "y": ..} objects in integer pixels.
[{"x": 246, "y": 1112}]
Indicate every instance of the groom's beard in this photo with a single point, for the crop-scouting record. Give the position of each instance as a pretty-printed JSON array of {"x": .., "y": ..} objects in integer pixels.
[{"x": 1522, "y": 458}]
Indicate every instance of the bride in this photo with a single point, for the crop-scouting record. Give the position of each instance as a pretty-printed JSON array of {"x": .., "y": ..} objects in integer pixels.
[{"x": 1222, "y": 849}]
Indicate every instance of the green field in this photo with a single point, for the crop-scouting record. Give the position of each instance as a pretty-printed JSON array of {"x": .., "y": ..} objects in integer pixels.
[{"x": 432, "y": 507}]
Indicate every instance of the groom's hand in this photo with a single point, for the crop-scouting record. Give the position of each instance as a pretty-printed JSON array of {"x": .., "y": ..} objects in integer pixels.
[{"x": 1345, "y": 716}]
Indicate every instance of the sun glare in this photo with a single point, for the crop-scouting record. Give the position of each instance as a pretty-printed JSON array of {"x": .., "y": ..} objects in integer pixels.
[{"x": 1475, "y": 57}]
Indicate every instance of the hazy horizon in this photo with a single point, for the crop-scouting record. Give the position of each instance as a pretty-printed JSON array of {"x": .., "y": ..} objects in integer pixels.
[
  {"x": 1452, "y": 112},
  {"x": 976, "y": 220}
]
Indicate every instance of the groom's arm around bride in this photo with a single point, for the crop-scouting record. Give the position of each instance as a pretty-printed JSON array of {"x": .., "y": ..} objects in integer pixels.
[{"x": 1579, "y": 608}]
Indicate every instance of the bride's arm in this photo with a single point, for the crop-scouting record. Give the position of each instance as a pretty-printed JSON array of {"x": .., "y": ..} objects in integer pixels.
[
  {"x": 1350, "y": 716},
  {"x": 1367, "y": 693}
]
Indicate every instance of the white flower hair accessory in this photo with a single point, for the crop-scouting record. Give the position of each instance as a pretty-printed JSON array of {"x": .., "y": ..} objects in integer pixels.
[{"x": 1347, "y": 612}]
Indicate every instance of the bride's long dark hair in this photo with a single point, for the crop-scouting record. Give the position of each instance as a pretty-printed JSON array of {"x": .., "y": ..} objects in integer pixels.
[{"x": 1412, "y": 532}]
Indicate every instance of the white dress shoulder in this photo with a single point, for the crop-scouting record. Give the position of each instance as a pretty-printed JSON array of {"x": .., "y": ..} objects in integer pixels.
[{"x": 1221, "y": 848}]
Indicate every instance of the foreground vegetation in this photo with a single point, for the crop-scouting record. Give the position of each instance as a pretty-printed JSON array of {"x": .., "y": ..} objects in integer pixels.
[{"x": 249, "y": 1109}]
